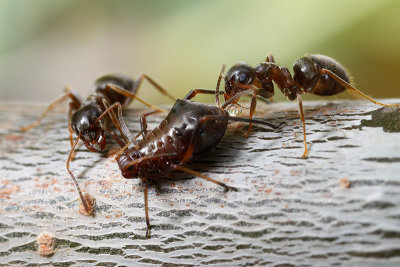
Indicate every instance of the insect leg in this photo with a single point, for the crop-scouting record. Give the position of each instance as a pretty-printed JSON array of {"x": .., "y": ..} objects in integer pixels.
[
  {"x": 194, "y": 92},
  {"x": 195, "y": 173},
  {"x": 303, "y": 121},
  {"x": 76, "y": 103},
  {"x": 126, "y": 93},
  {"x": 146, "y": 207},
  {"x": 252, "y": 110},
  {"x": 83, "y": 200},
  {"x": 143, "y": 76},
  {"x": 352, "y": 88}
]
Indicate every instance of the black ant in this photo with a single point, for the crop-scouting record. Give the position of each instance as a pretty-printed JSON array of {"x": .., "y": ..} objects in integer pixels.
[
  {"x": 314, "y": 74},
  {"x": 190, "y": 128},
  {"x": 87, "y": 119}
]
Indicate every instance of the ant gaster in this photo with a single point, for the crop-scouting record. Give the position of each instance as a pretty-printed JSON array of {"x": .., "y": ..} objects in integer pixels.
[
  {"x": 189, "y": 129},
  {"x": 314, "y": 74},
  {"x": 87, "y": 119}
]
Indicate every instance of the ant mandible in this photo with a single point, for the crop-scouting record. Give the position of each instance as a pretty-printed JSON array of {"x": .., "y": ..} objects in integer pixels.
[{"x": 314, "y": 74}]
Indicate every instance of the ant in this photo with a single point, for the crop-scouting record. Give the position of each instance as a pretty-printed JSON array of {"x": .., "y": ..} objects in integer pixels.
[
  {"x": 314, "y": 74},
  {"x": 189, "y": 129},
  {"x": 87, "y": 119}
]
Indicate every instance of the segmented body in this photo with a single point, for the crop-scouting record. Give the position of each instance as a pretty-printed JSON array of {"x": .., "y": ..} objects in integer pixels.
[{"x": 168, "y": 143}]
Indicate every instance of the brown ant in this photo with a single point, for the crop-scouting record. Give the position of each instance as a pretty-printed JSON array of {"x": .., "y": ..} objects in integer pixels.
[
  {"x": 87, "y": 119},
  {"x": 190, "y": 128},
  {"x": 314, "y": 74}
]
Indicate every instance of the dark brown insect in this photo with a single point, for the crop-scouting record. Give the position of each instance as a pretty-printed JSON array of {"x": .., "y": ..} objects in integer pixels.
[
  {"x": 88, "y": 118},
  {"x": 189, "y": 129},
  {"x": 313, "y": 74}
]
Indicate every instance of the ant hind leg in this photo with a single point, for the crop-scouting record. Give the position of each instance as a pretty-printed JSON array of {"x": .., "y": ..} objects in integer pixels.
[
  {"x": 353, "y": 89},
  {"x": 143, "y": 76}
]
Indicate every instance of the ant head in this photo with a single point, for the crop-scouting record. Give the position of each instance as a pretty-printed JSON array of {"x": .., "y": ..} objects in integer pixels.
[
  {"x": 242, "y": 77},
  {"x": 83, "y": 124},
  {"x": 239, "y": 74}
]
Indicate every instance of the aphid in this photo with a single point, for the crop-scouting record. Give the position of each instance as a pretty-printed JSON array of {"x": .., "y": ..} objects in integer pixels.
[
  {"x": 88, "y": 118},
  {"x": 189, "y": 129},
  {"x": 313, "y": 74},
  {"x": 45, "y": 245}
]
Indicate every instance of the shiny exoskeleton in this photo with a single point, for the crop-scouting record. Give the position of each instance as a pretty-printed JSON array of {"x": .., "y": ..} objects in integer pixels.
[
  {"x": 189, "y": 129},
  {"x": 88, "y": 118},
  {"x": 314, "y": 74}
]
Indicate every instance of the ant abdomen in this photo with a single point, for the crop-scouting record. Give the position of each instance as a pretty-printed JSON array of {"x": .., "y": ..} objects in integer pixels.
[{"x": 308, "y": 75}]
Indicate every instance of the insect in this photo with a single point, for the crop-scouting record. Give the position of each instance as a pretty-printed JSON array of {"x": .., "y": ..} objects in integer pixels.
[
  {"x": 190, "y": 128},
  {"x": 87, "y": 119},
  {"x": 314, "y": 74}
]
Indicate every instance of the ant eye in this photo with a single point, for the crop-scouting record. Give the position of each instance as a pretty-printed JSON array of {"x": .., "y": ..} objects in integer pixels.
[{"x": 242, "y": 78}]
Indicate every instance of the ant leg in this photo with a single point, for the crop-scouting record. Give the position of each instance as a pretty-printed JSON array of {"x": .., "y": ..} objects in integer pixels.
[
  {"x": 115, "y": 121},
  {"x": 68, "y": 94},
  {"x": 301, "y": 112},
  {"x": 252, "y": 110},
  {"x": 234, "y": 98},
  {"x": 88, "y": 207},
  {"x": 121, "y": 125},
  {"x": 194, "y": 92},
  {"x": 195, "y": 173},
  {"x": 351, "y": 88},
  {"x": 129, "y": 94},
  {"x": 72, "y": 107},
  {"x": 115, "y": 136},
  {"x": 146, "y": 207},
  {"x": 143, "y": 76},
  {"x": 217, "y": 92}
]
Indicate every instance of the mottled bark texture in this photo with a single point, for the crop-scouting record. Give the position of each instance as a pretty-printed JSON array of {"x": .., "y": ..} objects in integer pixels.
[{"x": 341, "y": 206}]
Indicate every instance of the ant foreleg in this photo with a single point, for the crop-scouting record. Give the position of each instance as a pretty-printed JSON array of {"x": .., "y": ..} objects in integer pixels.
[
  {"x": 75, "y": 104},
  {"x": 303, "y": 121},
  {"x": 352, "y": 88},
  {"x": 195, "y": 173},
  {"x": 120, "y": 124},
  {"x": 143, "y": 76},
  {"x": 252, "y": 110},
  {"x": 87, "y": 206},
  {"x": 72, "y": 106},
  {"x": 194, "y": 92},
  {"x": 114, "y": 120}
]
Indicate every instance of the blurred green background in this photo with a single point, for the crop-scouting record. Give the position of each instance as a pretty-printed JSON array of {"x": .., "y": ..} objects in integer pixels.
[{"x": 46, "y": 44}]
